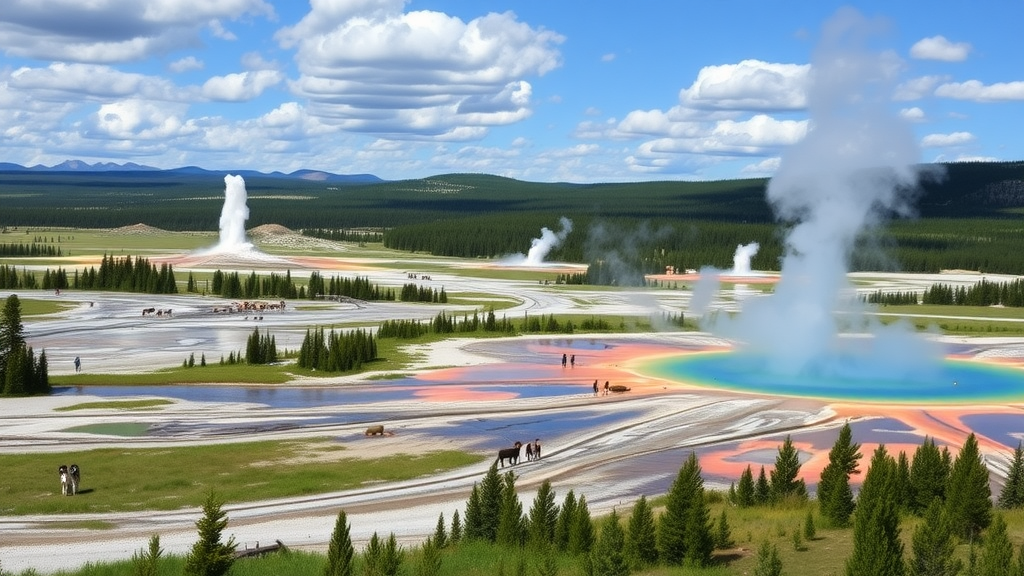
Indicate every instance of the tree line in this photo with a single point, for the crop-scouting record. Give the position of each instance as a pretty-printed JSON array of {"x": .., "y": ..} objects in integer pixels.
[
  {"x": 11, "y": 279},
  {"x": 983, "y": 293},
  {"x": 336, "y": 351},
  {"x": 29, "y": 250},
  {"x": 127, "y": 275},
  {"x": 344, "y": 235}
]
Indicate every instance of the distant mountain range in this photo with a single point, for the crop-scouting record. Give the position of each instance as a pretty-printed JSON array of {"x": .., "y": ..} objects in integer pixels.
[{"x": 80, "y": 166}]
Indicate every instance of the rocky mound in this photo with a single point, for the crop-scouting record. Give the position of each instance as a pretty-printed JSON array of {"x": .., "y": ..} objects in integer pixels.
[
  {"x": 138, "y": 230},
  {"x": 269, "y": 230}
]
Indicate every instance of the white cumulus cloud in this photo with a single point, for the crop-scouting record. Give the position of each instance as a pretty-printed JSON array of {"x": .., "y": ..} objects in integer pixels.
[
  {"x": 946, "y": 140},
  {"x": 913, "y": 114},
  {"x": 369, "y": 67},
  {"x": 939, "y": 48},
  {"x": 241, "y": 86},
  {"x": 109, "y": 31},
  {"x": 978, "y": 92},
  {"x": 750, "y": 85}
]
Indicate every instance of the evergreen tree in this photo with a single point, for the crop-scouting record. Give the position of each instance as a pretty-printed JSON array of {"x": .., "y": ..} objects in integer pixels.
[
  {"x": 877, "y": 549},
  {"x": 490, "y": 503},
  {"x": 543, "y": 517},
  {"x": 440, "y": 535},
  {"x": 784, "y": 482},
  {"x": 581, "y": 530},
  {"x": 430, "y": 559},
  {"x": 723, "y": 535},
  {"x": 903, "y": 488},
  {"x": 511, "y": 526},
  {"x": 928, "y": 474},
  {"x": 762, "y": 491},
  {"x": 373, "y": 557},
  {"x": 810, "y": 531},
  {"x": 934, "y": 545},
  {"x": 340, "y": 551},
  {"x": 997, "y": 554},
  {"x": 146, "y": 562},
  {"x": 641, "y": 544},
  {"x": 745, "y": 495},
  {"x": 563, "y": 526},
  {"x": 968, "y": 495},
  {"x": 768, "y": 561},
  {"x": 474, "y": 520},
  {"x": 393, "y": 555},
  {"x": 1012, "y": 494},
  {"x": 209, "y": 556},
  {"x": 608, "y": 558},
  {"x": 835, "y": 497},
  {"x": 12, "y": 331},
  {"x": 455, "y": 535},
  {"x": 684, "y": 530}
]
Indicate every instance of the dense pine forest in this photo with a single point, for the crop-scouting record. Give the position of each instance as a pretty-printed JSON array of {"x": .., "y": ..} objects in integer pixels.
[{"x": 970, "y": 219}]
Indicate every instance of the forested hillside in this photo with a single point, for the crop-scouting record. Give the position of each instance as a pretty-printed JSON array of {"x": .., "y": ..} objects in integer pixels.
[{"x": 969, "y": 219}]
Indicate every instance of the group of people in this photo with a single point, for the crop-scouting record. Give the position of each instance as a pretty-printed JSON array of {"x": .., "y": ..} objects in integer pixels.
[
  {"x": 607, "y": 388},
  {"x": 570, "y": 360}
]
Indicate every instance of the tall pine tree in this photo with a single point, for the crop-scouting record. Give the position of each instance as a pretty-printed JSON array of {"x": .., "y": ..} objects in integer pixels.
[
  {"x": 784, "y": 482},
  {"x": 933, "y": 547},
  {"x": 1012, "y": 494},
  {"x": 968, "y": 495},
  {"x": 641, "y": 536},
  {"x": 684, "y": 531},
  {"x": 835, "y": 497},
  {"x": 877, "y": 548}
]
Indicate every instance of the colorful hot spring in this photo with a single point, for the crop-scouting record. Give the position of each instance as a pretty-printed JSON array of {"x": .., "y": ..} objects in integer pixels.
[{"x": 949, "y": 381}]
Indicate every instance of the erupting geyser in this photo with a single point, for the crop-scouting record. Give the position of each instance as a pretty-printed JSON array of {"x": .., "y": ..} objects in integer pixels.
[
  {"x": 540, "y": 247},
  {"x": 232, "y": 218},
  {"x": 857, "y": 163},
  {"x": 741, "y": 258}
]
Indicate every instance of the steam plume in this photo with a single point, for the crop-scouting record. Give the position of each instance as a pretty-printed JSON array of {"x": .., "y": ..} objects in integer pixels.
[
  {"x": 856, "y": 164},
  {"x": 540, "y": 247},
  {"x": 233, "y": 216},
  {"x": 741, "y": 258}
]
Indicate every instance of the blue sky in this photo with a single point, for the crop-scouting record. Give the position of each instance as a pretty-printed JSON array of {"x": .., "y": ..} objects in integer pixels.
[{"x": 573, "y": 90}]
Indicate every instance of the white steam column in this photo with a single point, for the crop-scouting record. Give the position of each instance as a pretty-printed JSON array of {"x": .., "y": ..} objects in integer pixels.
[
  {"x": 742, "y": 257},
  {"x": 233, "y": 216}
]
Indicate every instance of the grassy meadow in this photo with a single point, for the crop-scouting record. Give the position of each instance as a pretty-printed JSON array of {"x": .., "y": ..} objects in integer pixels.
[{"x": 122, "y": 479}]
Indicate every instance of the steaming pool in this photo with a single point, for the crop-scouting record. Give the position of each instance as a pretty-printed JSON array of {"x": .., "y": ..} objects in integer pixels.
[{"x": 953, "y": 381}]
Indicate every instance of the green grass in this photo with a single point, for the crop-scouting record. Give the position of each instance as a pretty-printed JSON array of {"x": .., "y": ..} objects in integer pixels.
[
  {"x": 116, "y": 405},
  {"x": 123, "y": 479},
  {"x": 824, "y": 555},
  {"x": 33, "y": 307},
  {"x": 967, "y": 311},
  {"x": 210, "y": 374}
]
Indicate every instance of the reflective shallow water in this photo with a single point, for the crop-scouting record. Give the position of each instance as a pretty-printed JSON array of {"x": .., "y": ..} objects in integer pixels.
[
  {"x": 947, "y": 382},
  {"x": 314, "y": 397}
]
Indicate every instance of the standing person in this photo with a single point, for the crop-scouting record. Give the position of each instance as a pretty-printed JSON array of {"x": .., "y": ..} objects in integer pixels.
[
  {"x": 572, "y": 361},
  {"x": 78, "y": 364},
  {"x": 595, "y": 387},
  {"x": 606, "y": 388},
  {"x": 563, "y": 360}
]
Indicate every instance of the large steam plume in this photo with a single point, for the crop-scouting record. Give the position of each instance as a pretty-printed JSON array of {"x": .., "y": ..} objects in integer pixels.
[
  {"x": 540, "y": 247},
  {"x": 857, "y": 164},
  {"x": 233, "y": 216}
]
